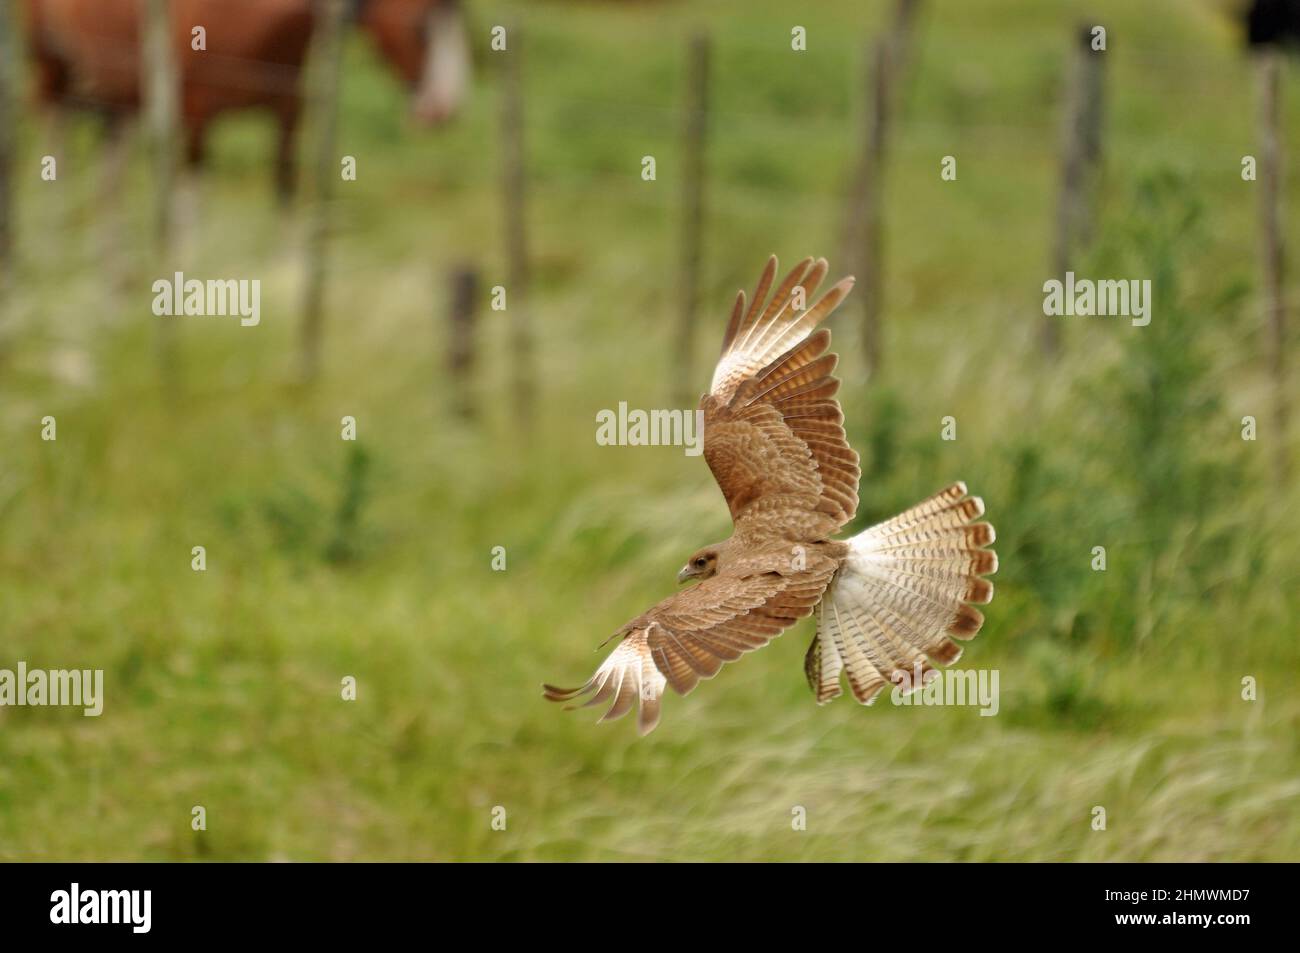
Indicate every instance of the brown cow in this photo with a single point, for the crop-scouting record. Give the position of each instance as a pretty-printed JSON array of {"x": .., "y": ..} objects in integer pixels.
[{"x": 87, "y": 55}]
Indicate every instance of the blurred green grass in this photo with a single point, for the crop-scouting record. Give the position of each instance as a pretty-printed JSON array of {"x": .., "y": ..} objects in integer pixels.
[{"x": 1120, "y": 689}]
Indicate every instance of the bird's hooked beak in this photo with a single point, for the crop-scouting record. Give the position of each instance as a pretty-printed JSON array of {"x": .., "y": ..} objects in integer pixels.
[{"x": 686, "y": 573}]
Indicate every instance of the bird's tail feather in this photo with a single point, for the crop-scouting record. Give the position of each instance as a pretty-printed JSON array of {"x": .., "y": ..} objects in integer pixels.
[{"x": 901, "y": 595}]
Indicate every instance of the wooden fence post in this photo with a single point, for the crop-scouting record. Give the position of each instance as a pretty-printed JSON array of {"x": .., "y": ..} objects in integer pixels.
[
  {"x": 328, "y": 43},
  {"x": 461, "y": 339},
  {"x": 1080, "y": 160},
  {"x": 523, "y": 374},
  {"x": 873, "y": 166},
  {"x": 8, "y": 133},
  {"x": 693, "y": 171},
  {"x": 863, "y": 240},
  {"x": 159, "y": 81},
  {"x": 1271, "y": 231}
]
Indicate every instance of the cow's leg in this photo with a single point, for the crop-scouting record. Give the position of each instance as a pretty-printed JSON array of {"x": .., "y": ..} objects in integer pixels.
[
  {"x": 186, "y": 209},
  {"x": 117, "y": 153},
  {"x": 285, "y": 159},
  {"x": 109, "y": 205},
  {"x": 54, "y": 137},
  {"x": 196, "y": 131}
]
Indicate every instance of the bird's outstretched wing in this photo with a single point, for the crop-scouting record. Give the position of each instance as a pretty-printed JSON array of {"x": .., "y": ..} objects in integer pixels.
[
  {"x": 773, "y": 431},
  {"x": 691, "y": 634}
]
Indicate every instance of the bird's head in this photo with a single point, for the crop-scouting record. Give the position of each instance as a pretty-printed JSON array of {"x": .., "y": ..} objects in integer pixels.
[{"x": 702, "y": 564}]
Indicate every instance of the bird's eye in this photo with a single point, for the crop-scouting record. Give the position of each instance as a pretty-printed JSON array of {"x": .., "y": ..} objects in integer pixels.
[{"x": 699, "y": 563}]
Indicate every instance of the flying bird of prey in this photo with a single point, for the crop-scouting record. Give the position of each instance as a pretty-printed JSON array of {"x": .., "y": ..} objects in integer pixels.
[{"x": 886, "y": 600}]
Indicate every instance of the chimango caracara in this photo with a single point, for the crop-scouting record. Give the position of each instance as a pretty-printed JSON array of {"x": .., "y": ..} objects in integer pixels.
[{"x": 886, "y": 600}]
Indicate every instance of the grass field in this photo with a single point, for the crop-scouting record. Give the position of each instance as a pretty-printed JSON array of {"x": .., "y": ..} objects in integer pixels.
[{"x": 1121, "y": 689}]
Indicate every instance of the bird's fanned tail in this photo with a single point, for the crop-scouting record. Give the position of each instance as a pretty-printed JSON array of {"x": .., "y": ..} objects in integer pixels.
[{"x": 905, "y": 590}]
